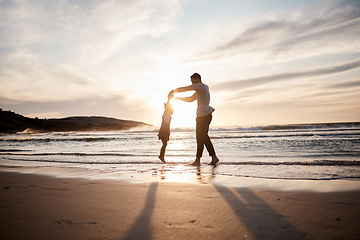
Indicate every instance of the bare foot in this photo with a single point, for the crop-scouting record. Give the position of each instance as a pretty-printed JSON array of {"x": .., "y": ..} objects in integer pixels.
[
  {"x": 162, "y": 159},
  {"x": 196, "y": 163},
  {"x": 214, "y": 160}
]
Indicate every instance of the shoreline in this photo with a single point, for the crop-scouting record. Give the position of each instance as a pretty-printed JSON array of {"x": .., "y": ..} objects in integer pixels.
[
  {"x": 34, "y": 206},
  {"x": 182, "y": 174}
]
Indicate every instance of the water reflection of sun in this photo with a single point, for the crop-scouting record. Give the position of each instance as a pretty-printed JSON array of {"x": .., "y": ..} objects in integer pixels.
[
  {"x": 182, "y": 173},
  {"x": 177, "y": 173},
  {"x": 180, "y": 147}
]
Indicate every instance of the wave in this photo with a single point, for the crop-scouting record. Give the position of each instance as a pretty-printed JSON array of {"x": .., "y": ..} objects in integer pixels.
[
  {"x": 342, "y": 154},
  {"x": 79, "y": 154},
  {"x": 85, "y": 162},
  {"x": 290, "y": 135},
  {"x": 239, "y": 163},
  {"x": 89, "y": 139},
  {"x": 294, "y": 178},
  {"x": 86, "y": 139},
  {"x": 105, "y": 139},
  {"x": 245, "y": 135},
  {"x": 300, "y": 163},
  {"x": 30, "y": 153},
  {"x": 14, "y": 150},
  {"x": 305, "y": 126},
  {"x": 313, "y": 126},
  {"x": 220, "y": 133}
]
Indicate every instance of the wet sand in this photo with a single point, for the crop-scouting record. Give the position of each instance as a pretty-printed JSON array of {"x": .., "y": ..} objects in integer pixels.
[{"x": 41, "y": 207}]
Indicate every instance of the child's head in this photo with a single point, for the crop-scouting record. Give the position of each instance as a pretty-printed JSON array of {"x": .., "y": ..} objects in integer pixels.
[{"x": 168, "y": 108}]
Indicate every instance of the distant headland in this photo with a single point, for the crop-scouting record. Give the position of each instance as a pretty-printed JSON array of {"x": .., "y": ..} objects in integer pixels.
[{"x": 11, "y": 122}]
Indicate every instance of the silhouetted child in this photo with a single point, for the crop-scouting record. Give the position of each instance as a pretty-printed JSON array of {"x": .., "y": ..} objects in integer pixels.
[{"x": 164, "y": 132}]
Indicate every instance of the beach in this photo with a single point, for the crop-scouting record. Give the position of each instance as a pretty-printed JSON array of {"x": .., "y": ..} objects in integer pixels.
[
  {"x": 301, "y": 183},
  {"x": 34, "y": 206}
]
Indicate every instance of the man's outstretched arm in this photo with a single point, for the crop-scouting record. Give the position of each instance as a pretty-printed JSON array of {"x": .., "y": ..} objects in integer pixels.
[
  {"x": 184, "y": 89},
  {"x": 187, "y": 99}
]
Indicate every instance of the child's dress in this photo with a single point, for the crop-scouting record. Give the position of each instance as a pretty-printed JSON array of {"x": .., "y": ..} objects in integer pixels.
[{"x": 164, "y": 132}]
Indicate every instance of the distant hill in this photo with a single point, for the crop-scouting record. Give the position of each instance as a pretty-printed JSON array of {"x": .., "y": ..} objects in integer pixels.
[{"x": 11, "y": 122}]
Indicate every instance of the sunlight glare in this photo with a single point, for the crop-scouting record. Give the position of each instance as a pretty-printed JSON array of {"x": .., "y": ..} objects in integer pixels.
[
  {"x": 178, "y": 173},
  {"x": 184, "y": 114},
  {"x": 181, "y": 173}
]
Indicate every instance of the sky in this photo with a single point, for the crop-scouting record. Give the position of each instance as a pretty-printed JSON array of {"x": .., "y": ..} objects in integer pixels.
[{"x": 265, "y": 61}]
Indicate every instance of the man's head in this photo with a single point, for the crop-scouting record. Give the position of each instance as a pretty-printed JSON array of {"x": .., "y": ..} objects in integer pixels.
[{"x": 195, "y": 78}]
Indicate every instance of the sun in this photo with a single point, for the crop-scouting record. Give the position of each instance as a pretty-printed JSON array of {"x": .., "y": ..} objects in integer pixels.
[
  {"x": 169, "y": 74},
  {"x": 184, "y": 114}
]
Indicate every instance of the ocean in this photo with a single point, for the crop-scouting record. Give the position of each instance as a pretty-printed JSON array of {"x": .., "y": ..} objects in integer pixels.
[{"x": 305, "y": 152}]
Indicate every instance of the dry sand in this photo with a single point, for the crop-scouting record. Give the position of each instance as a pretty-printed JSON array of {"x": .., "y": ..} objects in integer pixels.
[{"x": 40, "y": 207}]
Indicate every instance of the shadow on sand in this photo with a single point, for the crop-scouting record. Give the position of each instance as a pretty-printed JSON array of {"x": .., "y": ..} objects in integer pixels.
[
  {"x": 141, "y": 228},
  {"x": 260, "y": 219}
]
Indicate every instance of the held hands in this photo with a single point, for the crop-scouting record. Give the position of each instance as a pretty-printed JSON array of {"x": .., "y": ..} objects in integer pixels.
[{"x": 171, "y": 95}]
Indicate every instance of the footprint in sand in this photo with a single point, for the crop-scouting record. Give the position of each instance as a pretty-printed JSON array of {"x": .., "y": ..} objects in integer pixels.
[
  {"x": 89, "y": 224},
  {"x": 64, "y": 222},
  {"x": 68, "y": 222}
]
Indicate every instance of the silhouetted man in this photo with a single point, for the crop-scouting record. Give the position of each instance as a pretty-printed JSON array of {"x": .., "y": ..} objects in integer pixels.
[{"x": 203, "y": 116}]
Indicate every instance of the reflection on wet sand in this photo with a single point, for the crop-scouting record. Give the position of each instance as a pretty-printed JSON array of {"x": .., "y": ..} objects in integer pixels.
[
  {"x": 183, "y": 173},
  {"x": 205, "y": 175}
]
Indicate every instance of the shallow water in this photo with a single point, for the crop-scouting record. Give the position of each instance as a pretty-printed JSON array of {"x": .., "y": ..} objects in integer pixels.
[{"x": 324, "y": 153}]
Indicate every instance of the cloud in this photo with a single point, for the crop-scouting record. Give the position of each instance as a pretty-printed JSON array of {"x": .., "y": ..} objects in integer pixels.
[
  {"x": 63, "y": 49},
  {"x": 23, "y": 75},
  {"x": 312, "y": 31},
  {"x": 287, "y": 76},
  {"x": 83, "y": 31},
  {"x": 350, "y": 84}
]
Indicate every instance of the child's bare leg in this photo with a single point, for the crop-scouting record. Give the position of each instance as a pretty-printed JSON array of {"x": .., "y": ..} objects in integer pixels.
[{"x": 162, "y": 151}]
